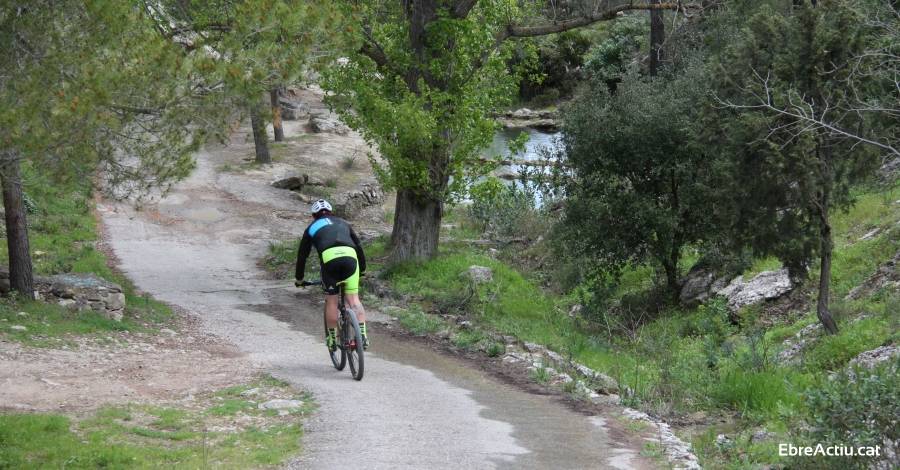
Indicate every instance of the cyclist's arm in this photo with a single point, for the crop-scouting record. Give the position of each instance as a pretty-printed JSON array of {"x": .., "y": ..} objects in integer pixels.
[
  {"x": 302, "y": 254},
  {"x": 360, "y": 256}
]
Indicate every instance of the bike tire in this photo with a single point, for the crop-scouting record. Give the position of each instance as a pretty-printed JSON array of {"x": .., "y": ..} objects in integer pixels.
[
  {"x": 339, "y": 355},
  {"x": 355, "y": 354}
]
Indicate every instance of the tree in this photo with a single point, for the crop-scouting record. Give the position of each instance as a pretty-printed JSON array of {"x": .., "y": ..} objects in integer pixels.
[
  {"x": 87, "y": 86},
  {"x": 421, "y": 88},
  {"x": 252, "y": 47},
  {"x": 277, "y": 128},
  {"x": 642, "y": 187},
  {"x": 657, "y": 37},
  {"x": 784, "y": 77}
]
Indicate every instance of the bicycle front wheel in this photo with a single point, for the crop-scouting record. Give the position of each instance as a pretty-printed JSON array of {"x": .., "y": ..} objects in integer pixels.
[
  {"x": 339, "y": 355},
  {"x": 355, "y": 354}
]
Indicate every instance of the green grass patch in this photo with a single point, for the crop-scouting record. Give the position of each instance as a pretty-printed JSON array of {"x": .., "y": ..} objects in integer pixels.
[
  {"x": 63, "y": 237},
  {"x": 139, "y": 436},
  {"x": 418, "y": 322}
]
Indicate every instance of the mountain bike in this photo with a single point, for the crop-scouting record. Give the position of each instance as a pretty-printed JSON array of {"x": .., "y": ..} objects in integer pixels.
[{"x": 349, "y": 339}]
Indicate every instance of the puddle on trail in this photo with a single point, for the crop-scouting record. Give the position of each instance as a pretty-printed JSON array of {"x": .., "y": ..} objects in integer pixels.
[{"x": 555, "y": 435}]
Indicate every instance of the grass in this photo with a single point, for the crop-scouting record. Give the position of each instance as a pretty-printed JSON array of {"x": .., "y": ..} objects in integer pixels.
[
  {"x": 145, "y": 436},
  {"x": 63, "y": 238},
  {"x": 687, "y": 360}
]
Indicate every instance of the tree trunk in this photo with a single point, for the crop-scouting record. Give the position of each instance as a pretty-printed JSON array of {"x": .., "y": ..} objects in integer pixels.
[
  {"x": 260, "y": 139},
  {"x": 417, "y": 225},
  {"x": 21, "y": 278},
  {"x": 826, "y": 243},
  {"x": 822, "y": 310},
  {"x": 276, "y": 114},
  {"x": 657, "y": 36}
]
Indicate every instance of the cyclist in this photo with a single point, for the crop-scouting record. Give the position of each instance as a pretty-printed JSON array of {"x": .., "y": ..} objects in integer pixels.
[{"x": 342, "y": 260}]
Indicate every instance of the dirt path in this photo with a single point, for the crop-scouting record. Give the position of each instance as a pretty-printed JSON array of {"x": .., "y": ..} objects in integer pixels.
[{"x": 416, "y": 408}]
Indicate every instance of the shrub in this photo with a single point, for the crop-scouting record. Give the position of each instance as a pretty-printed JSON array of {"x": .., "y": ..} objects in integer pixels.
[
  {"x": 499, "y": 209},
  {"x": 857, "y": 408}
]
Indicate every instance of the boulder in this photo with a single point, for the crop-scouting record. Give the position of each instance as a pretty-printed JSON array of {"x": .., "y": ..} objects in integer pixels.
[
  {"x": 479, "y": 274},
  {"x": 870, "y": 359},
  {"x": 766, "y": 285},
  {"x": 890, "y": 169},
  {"x": 700, "y": 284},
  {"x": 293, "y": 110},
  {"x": 320, "y": 124}
]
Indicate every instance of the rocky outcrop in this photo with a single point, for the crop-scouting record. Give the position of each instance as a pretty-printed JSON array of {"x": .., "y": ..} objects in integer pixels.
[
  {"x": 870, "y": 359},
  {"x": 699, "y": 285},
  {"x": 766, "y": 285},
  {"x": 320, "y": 124},
  {"x": 887, "y": 275},
  {"x": 545, "y": 120},
  {"x": 890, "y": 169},
  {"x": 350, "y": 203},
  {"x": 793, "y": 346}
]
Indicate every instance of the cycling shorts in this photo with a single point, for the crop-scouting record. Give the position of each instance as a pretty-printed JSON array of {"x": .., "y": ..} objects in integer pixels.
[{"x": 339, "y": 266}]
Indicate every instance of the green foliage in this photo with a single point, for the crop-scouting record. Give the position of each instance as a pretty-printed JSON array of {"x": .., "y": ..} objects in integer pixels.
[
  {"x": 425, "y": 104},
  {"x": 800, "y": 171},
  {"x": 554, "y": 69},
  {"x": 641, "y": 175},
  {"x": 418, "y": 322},
  {"x": 502, "y": 210},
  {"x": 607, "y": 61},
  {"x": 832, "y": 352},
  {"x": 856, "y": 408}
]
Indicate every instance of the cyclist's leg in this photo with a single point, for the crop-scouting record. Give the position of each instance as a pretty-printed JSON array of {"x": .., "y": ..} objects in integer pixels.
[
  {"x": 351, "y": 292},
  {"x": 329, "y": 284}
]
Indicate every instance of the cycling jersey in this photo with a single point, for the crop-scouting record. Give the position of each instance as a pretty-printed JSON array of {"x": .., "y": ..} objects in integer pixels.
[{"x": 334, "y": 240}]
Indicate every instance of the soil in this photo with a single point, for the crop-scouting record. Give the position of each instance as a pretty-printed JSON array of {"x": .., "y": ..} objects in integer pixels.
[{"x": 86, "y": 373}]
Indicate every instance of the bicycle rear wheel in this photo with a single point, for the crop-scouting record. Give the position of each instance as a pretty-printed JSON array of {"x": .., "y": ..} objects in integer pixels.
[
  {"x": 355, "y": 354},
  {"x": 339, "y": 355}
]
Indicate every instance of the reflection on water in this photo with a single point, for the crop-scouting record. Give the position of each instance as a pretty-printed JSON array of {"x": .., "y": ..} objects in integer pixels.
[
  {"x": 537, "y": 140},
  {"x": 540, "y": 146}
]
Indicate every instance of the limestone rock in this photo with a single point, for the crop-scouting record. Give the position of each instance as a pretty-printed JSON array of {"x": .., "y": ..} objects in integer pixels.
[
  {"x": 870, "y": 359},
  {"x": 479, "y": 274},
  {"x": 766, "y": 285},
  {"x": 699, "y": 285},
  {"x": 320, "y": 124}
]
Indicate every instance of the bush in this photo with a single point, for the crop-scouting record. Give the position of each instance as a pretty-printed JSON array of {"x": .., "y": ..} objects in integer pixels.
[
  {"x": 857, "y": 408},
  {"x": 501, "y": 210}
]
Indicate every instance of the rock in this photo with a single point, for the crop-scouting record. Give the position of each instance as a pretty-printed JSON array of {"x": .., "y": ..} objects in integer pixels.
[
  {"x": 766, "y": 285},
  {"x": 349, "y": 204},
  {"x": 793, "y": 346},
  {"x": 761, "y": 435},
  {"x": 890, "y": 169},
  {"x": 293, "y": 110},
  {"x": 250, "y": 393},
  {"x": 22, "y": 314},
  {"x": 870, "y": 234},
  {"x": 723, "y": 441},
  {"x": 292, "y": 183},
  {"x": 507, "y": 173},
  {"x": 167, "y": 332},
  {"x": 320, "y": 124},
  {"x": 18, "y": 328},
  {"x": 886, "y": 276},
  {"x": 479, "y": 274},
  {"x": 282, "y": 406},
  {"x": 576, "y": 310},
  {"x": 870, "y": 359}
]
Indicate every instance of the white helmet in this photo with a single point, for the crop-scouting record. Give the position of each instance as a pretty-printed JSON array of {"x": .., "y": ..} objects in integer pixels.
[{"x": 320, "y": 205}]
